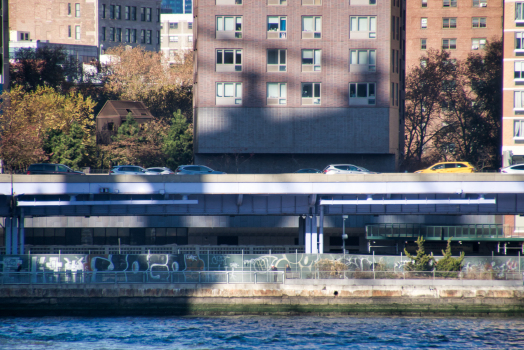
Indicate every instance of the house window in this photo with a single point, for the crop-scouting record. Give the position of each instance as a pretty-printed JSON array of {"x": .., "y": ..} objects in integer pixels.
[
  {"x": 449, "y": 3},
  {"x": 103, "y": 30},
  {"x": 449, "y": 44},
  {"x": 311, "y": 60},
  {"x": 133, "y": 13},
  {"x": 423, "y": 44},
  {"x": 173, "y": 39},
  {"x": 118, "y": 14},
  {"x": 311, "y": 27},
  {"x": 276, "y": 27},
  {"x": 69, "y": 32},
  {"x": 276, "y": 93},
  {"x": 228, "y": 93},
  {"x": 118, "y": 35},
  {"x": 190, "y": 38},
  {"x": 311, "y": 93},
  {"x": 424, "y": 3},
  {"x": 133, "y": 35},
  {"x": 77, "y": 10},
  {"x": 127, "y": 13},
  {"x": 148, "y": 36},
  {"x": 423, "y": 23},
  {"x": 143, "y": 36},
  {"x": 519, "y": 43},
  {"x": 103, "y": 10},
  {"x": 111, "y": 34},
  {"x": 127, "y": 37},
  {"x": 363, "y": 27},
  {"x": 143, "y": 14},
  {"x": 148, "y": 14},
  {"x": 111, "y": 11},
  {"x": 189, "y": 25},
  {"x": 276, "y": 60},
  {"x": 173, "y": 25},
  {"x": 229, "y": 27},
  {"x": 449, "y": 23},
  {"x": 228, "y": 60},
  {"x": 519, "y": 101},
  {"x": 362, "y": 61},
  {"x": 519, "y": 69},
  {"x": 518, "y": 129},
  {"x": 77, "y": 32},
  {"x": 478, "y": 43},
  {"x": 479, "y": 22},
  {"x": 362, "y": 94},
  {"x": 69, "y": 9},
  {"x": 480, "y": 3}
]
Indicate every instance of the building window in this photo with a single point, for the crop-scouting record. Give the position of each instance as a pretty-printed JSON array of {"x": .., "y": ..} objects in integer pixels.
[
  {"x": 69, "y": 9},
  {"x": 519, "y": 101},
  {"x": 172, "y": 53},
  {"x": 423, "y": 44},
  {"x": 103, "y": 11},
  {"x": 111, "y": 34},
  {"x": 362, "y": 61},
  {"x": 148, "y": 36},
  {"x": 103, "y": 33},
  {"x": 77, "y": 10},
  {"x": 126, "y": 13},
  {"x": 276, "y": 27},
  {"x": 69, "y": 32},
  {"x": 362, "y": 94},
  {"x": 424, "y": 3},
  {"x": 480, "y": 3},
  {"x": 148, "y": 14},
  {"x": 449, "y": 44},
  {"x": 311, "y": 60},
  {"x": 143, "y": 14},
  {"x": 363, "y": 27},
  {"x": 143, "y": 36},
  {"x": 173, "y": 25},
  {"x": 449, "y": 23},
  {"x": 133, "y": 13},
  {"x": 423, "y": 23},
  {"x": 228, "y": 60},
  {"x": 77, "y": 32},
  {"x": 228, "y": 93},
  {"x": 478, "y": 43},
  {"x": 519, "y": 70},
  {"x": 311, "y": 27},
  {"x": 190, "y": 25},
  {"x": 189, "y": 38},
  {"x": 111, "y": 11},
  {"x": 277, "y": 2},
  {"x": 133, "y": 35},
  {"x": 118, "y": 35},
  {"x": 449, "y": 3},
  {"x": 158, "y": 37},
  {"x": 519, "y": 43},
  {"x": 229, "y": 27},
  {"x": 479, "y": 22},
  {"x": 311, "y": 93},
  {"x": 276, "y": 60},
  {"x": 158, "y": 15},
  {"x": 276, "y": 93},
  {"x": 311, "y": 2},
  {"x": 127, "y": 37},
  {"x": 118, "y": 14},
  {"x": 173, "y": 38},
  {"x": 518, "y": 129}
]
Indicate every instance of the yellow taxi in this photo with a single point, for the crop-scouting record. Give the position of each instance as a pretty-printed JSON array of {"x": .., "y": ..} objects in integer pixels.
[{"x": 448, "y": 167}]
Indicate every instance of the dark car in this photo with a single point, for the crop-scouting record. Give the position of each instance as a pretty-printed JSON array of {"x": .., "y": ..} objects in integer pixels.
[{"x": 43, "y": 168}]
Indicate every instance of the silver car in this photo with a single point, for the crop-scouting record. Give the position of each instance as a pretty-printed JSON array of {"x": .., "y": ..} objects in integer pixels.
[
  {"x": 160, "y": 171},
  {"x": 129, "y": 170},
  {"x": 195, "y": 170},
  {"x": 346, "y": 169},
  {"x": 513, "y": 169}
]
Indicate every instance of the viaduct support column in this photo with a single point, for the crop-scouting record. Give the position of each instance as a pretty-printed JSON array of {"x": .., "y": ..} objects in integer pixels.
[
  {"x": 314, "y": 235},
  {"x": 321, "y": 231},
  {"x": 21, "y": 228},
  {"x": 308, "y": 234},
  {"x": 14, "y": 235},
  {"x": 7, "y": 229},
  {"x": 301, "y": 230}
]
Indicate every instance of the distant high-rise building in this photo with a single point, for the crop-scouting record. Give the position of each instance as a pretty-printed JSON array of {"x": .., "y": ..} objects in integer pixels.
[{"x": 177, "y": 6}]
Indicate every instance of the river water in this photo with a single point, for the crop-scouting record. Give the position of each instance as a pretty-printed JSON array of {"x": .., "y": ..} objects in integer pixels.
[{"x": 259, "y": 332}]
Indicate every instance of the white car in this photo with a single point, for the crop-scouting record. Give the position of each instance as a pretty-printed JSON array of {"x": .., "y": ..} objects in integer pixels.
[
  {"x": 346, "y": 169},
  {"x": 513, "y": 169},
  {"x": 129, "y": 170},
  {"x": 160, "y": 171}
]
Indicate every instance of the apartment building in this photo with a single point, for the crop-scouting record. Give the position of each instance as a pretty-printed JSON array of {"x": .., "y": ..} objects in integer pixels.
[
  {"x": 177, "y": 6},
  {"x": 102, "y": 23},
  {"x": 281, "y": 85},
  {"x": 460, "y": 26},
  {"x": 176, "y": 35}
]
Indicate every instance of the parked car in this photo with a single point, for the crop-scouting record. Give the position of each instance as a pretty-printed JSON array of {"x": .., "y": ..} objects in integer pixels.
[
  {"x": 448, "y": 167},
  {"x": 44, "y": 168},
  {"x": 160, "y": 171},
  {"x": 346, "y": 169},
  {"x": 513, "y": 169},
  {"x": 195, "y": 170},
  {"x": 129, "y": 170},
  {"x": 308, "y": 171}
]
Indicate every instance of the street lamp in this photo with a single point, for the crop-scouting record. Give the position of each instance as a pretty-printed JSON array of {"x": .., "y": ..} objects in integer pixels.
[{"x": 344, "y": 235}]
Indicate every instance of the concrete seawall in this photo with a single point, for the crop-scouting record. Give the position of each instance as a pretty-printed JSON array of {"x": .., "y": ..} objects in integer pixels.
[{"x": 499, "y": 298}]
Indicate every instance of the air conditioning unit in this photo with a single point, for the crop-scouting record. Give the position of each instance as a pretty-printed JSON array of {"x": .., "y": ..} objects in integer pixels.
[
  {"x": 474, "y": 47},
  {"x": 483, "y": 5}
]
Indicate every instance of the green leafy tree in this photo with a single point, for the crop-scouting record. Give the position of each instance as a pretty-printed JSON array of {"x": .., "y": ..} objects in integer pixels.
[
  {"x": 178, "y": 143},
  {"x": 421, "y": 261},
  {"x": 448, "y": 262},
  {"x": 67, "y": 147}
]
